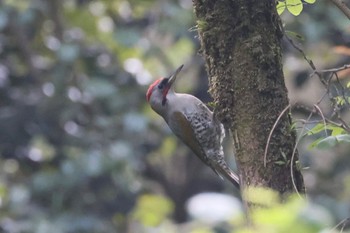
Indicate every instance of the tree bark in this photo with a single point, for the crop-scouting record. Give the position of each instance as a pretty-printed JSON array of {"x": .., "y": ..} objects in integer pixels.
[{"x": 241, "y": 44}]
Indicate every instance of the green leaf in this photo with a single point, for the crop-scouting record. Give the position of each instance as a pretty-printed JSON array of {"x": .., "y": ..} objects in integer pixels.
[
  {"x": 310, "y": 1},
  {"x": 317, "y": 128},
  {"x": 337, "y": 131},
  {"x": 331, "y": 141},
  {"x": 314, "y": 143},
  {"x": 348, "y": 85},
  {"x": 322, "y": 127},
  {"x": 294, "y": 6},
  {"x": 343, "y": 138},
  {"x": 327, "y": 142},
  {"x": 295, "y": 35},
  {"x": 281, "y": 6}
]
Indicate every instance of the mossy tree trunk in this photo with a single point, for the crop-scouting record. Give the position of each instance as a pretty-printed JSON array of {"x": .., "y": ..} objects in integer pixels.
[{"x": 241, "y": 44}]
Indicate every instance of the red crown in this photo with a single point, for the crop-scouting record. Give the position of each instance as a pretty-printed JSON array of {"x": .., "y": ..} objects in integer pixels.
[{"x": 150, "y": 89}]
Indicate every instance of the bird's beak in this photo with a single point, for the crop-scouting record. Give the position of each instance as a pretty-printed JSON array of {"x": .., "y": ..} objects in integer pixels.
[
  {"x": 172, "y": 77},
  {"x": 171, "y": 81}
]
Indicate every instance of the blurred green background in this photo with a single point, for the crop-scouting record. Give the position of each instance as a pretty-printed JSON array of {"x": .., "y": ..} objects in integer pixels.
[{"x": 80, "y": 149}]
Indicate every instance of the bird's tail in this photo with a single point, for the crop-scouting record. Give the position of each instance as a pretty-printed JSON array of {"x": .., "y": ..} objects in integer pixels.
[{"x": 225, "y": 171}]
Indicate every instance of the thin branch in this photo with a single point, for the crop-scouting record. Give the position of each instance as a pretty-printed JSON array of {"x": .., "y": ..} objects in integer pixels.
[
  {"x": 271, "y": 131},
  {"x": 297, "y": 143},
  {"x": 341, "y": 5},
  {"x": 312, "y": 65},
  {"x": 342, "y": 124},
  {"x": 326, "y": 84},
  {"x": 309, "y": 61},
  {"x": 344, "y": 67},
  {"x": 293, "y": 156},
  {"x": 341, "y": 223},
  {"x": 323, "y": 118}
]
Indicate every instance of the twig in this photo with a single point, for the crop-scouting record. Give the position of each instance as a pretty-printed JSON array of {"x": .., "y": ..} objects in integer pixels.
[
  {"x": 342, "y": 222},
  {"x": 341, "y": 5},
  {"x": 327, "y": 92},
  {"x": 316, "y": 72},
  {"x": 297, "y": 143},
  {"x": 323, "y": 118},
  {"x": 311, "y": 63},
  {"x": 293, "y": 156},
  {"x": 344, "y": 67},
  {"x": 271, "y": 131},
  {"x": 342, "y": 124}
]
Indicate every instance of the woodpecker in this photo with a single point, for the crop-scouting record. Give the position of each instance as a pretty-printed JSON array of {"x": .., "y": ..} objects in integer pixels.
[{"x": 192, "y": 122}]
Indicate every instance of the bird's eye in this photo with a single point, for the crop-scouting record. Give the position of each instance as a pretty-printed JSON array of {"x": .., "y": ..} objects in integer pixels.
[{"x": 162, "y": 83}]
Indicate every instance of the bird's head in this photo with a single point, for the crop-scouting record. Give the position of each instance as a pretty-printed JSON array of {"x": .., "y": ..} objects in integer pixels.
[{"x": 158, "y": 91}]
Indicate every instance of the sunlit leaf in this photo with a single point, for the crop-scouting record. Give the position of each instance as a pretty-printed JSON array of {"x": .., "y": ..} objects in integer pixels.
[
  {"x": 310, "y": 1},
  {"x": 294, "y": 6},
  {"x": 281, "y": 6},
  {"x": 322, "y": 127},
  {"x": 317, "y": 128},
  {"x": 337, "y": 131}
]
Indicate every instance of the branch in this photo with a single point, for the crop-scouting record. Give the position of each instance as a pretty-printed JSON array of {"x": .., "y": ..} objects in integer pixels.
[
  {"x": 326, "y": 84},
  {"x": 271, "y": 131},
  {"x": 344, "y": 67},
  {"x": 341, "y": 5}
]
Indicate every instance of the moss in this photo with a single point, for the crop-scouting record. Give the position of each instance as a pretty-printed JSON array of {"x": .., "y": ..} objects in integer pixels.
[{"x": 240, "y": 43}]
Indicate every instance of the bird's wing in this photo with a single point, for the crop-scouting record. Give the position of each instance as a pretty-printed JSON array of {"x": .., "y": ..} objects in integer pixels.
[
  {"x": 195, "y": 130},
  {"x": 183, "y": 128}
]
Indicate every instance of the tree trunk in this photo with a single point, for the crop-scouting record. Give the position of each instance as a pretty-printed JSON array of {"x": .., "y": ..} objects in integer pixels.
[{"x": 240, "y": 42}]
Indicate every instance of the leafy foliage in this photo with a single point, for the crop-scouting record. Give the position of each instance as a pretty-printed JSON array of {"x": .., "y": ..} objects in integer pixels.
[{"x": 295, "y": 7}]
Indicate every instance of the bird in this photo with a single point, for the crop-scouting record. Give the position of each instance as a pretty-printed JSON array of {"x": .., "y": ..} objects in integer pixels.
[{"x": 192, "y": 122}]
